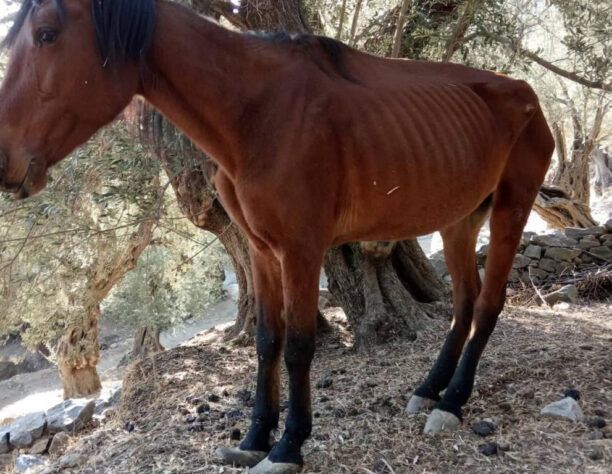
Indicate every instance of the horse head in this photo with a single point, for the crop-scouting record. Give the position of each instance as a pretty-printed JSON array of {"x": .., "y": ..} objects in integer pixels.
[{"x": 74, "y": 65}]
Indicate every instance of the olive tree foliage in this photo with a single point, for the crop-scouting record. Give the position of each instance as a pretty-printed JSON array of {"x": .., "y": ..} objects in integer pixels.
[{"x": 52, "y": 245}]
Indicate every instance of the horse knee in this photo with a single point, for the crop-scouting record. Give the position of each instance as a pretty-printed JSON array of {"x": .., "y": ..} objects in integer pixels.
[
  {"x": 299, "y": 351},
  {"x": 268, "y": 344}
]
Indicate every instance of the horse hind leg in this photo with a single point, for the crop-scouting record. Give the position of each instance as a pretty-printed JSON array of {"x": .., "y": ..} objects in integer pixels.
[
  {"x": 460, "y": 254},
  {"x": 512, "y": 203}
]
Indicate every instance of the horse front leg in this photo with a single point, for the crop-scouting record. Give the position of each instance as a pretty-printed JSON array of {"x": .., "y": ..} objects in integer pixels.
[
  {"x": 269, "y": 341},
  {"x": 301, "y": 287}
]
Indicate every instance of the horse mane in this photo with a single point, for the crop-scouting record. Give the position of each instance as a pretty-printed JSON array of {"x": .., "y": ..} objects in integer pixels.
[
  {"x": 317, "y": 48},
  {"x": 124, "y": 28},
  {"x": 26, "y": 8}
]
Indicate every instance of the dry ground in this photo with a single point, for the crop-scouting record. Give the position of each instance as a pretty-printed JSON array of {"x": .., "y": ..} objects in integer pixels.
[{"x": 360, "y": 425}]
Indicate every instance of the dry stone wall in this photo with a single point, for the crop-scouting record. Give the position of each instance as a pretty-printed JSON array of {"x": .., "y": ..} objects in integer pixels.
[{"x": 543, "y": 258}]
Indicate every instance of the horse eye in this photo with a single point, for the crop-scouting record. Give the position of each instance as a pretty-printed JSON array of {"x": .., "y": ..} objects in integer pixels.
[{"x": 46, "y": 36}]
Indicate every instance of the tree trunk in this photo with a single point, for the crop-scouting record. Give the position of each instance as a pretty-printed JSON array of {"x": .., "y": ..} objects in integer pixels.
[
  {"x": 78, "y": 351},
  {"x": 146, "y": 342},
  {"x": 399, "y": 28},
  {"x": 566, "y": 203},
  {"x": 602, "y": 170},
  {"x": 384, "y": 288},
  {"x": 559, "y": 210}
]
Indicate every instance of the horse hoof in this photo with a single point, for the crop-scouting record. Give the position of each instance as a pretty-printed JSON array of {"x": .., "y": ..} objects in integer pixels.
[
  {"x": 417, "y": 404},
  {"x": 268, "y": 467},
  {"x": 440, "y": 420},
  {"x": 239, "y": 457}
]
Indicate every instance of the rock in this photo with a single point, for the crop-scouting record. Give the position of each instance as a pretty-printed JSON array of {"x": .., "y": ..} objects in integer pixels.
[
  {"x": 70, "y": 415},
  {"x": 484, "y": 428},
  {"x": 606, "y": 239},
  {"x": 520, "y": 261},
  {"x": 191, "y": 418},
  {"x": 575, "y": 233},
  {"x": 548, "y": 265},
  {"x": 567, "y": 408},
  {"x": 608, "y": 225},
  {"x": 325, "y": 382},
  {"x": 28, "y": 461},
  {"x": 213, "y": 398},
  {"x": 553, "y": 240},
  {"x": 603, "y": 253},
  {"x": 596, "y": 435},
  {"x": 514, "y": 276},
  {"x": 25, "y": 430},
  {"x": 4, "y": 442},
  {"x": 489, "y": 449},
  {"x": 596, "y": 455},
  {"x": 73, "y": 459},
  {"x": 526, "y": 238},
  {"x": 588, "y": 243},
  {"x": 596, "y": 422},
  {"x": 244, "y": 395},
  {"x": 203, "y": 407},
  {"x": 112, "y": 399},
  {"x": 40, "y": 446},
  {"x": 567, "y": 294},
  {"x": 573, "y": 393},
  {"x": 193, "y": 399},
  {"x": 6, "y": 462},
  {"x": 533, "y": 251},
  {"x": 59, "y": 442},
  {"x": 235, "y": 434},
  {"x": 538, "y": 273},
  {"x": 130, "y": 426},
  {"x": 562, "y": 254}
]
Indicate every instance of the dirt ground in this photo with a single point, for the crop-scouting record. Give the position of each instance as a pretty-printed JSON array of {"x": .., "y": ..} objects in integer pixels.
[{"x": 360, "y": 424}]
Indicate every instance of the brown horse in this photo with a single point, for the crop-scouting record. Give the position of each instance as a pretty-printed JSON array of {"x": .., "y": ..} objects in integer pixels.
[{"x": 317, "y": 144}]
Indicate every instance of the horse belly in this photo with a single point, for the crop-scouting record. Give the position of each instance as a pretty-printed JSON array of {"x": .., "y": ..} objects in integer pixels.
[{"x": 414, "y": 179}]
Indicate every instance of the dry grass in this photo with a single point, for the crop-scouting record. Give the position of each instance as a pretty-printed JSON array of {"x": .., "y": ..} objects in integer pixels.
[
  {"x": 594, "y": 284},
  {"x": 360, "y": 426}
]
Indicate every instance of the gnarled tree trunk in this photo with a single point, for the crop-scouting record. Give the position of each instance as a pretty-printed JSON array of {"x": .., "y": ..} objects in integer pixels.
[
  {"x": 78, "y": 351},
  {"x": 146, "y": 342}
]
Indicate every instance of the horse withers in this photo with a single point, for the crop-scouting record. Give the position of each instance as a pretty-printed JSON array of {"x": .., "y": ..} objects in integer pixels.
[{"x": 317, "y": 144}]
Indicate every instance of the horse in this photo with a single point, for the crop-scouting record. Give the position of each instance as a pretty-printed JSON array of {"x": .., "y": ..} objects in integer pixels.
[{"x": 317, "y": 144}]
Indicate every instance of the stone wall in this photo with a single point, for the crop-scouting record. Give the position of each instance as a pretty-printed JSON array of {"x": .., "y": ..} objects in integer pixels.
[{"x": 543, "y": 258}]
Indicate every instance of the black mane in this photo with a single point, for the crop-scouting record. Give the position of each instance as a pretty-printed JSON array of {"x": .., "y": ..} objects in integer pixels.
[
  {"x": 124, "y": 28},
  {"x": 313, "y": 45}
]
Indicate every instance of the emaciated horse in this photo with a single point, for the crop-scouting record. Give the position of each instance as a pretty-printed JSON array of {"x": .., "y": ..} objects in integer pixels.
[{"x": 317, "y": 144}]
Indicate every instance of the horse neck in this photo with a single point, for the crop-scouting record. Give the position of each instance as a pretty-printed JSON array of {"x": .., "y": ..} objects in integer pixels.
[{"x": 197, "y": 77}]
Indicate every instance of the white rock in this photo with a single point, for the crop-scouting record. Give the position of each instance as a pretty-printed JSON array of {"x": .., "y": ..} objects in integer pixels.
[
  {"x": 27, "y": 462},
  {"x": 25, "y": 430},
  {"x": 70, "y": 415},
  {"x": 567, "y": 408}
]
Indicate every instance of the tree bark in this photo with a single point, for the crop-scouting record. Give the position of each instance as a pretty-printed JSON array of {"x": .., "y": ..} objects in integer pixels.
[
  {"x": 78, "y": 354},
  {"x": 399, "y": 28},
  {"x": 559, "y": 210},
  {"x": 146, "y": 343},
  {"x": 191, "y": 172},
  {"x": 78, "y": 351},
  {"x": 384, "y": 288}
]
